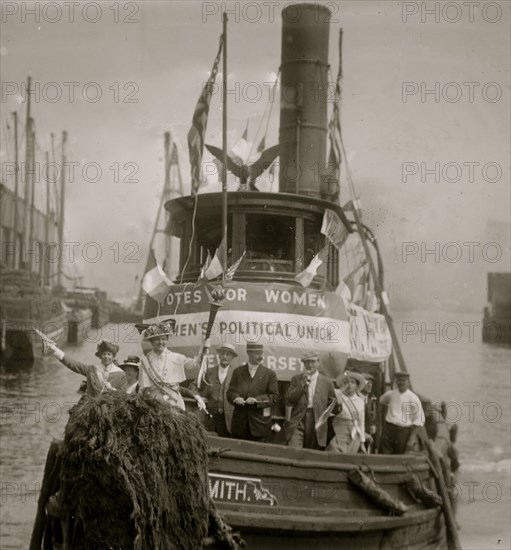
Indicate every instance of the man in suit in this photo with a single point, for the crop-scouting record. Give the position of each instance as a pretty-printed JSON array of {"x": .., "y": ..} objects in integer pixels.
[
  {"x": 215, "y": 391},
  {"x": 309, "y": 395},
  {"x": 253, "y": 390}
]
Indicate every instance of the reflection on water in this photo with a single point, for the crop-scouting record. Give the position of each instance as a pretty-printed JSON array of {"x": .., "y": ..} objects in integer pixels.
[{"x": 471, "y": 376}]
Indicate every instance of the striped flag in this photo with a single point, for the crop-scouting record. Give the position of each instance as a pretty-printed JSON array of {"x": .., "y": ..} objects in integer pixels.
[
  {"x": 307, "y": 275},
  {"x": 229, "y": 274},
  {"x": 155, "y": 282},
  {"x": 199, "y": 123},
  {"x": 334, "y": 135}
]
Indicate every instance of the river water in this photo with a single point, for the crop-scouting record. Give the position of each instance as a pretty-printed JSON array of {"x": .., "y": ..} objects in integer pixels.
[{"x": 445, "y": 356}]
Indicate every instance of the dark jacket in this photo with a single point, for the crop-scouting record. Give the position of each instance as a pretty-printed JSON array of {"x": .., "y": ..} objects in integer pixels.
[
  {"x": 264, "y": 388},
  {"x": 297, "y": 397},
  {"x": 117, "y": 378},
  {"x": 216, "y": 394}
]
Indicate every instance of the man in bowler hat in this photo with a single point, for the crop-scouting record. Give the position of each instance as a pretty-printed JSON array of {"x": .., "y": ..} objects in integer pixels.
[
  {"x": 310, "y": 394},
  {"x": 214, "y": 390},
  {"x": 253, "y": 390}
]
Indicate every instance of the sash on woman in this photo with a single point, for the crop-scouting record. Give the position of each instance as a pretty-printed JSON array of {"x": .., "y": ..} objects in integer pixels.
[{"x": 169, "y": 390}]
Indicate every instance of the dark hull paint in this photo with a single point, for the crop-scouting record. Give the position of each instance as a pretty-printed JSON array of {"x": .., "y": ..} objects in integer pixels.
[{"x": 313, "y": 505}]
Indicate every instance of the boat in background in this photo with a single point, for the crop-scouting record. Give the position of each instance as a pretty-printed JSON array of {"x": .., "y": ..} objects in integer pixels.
[
  {"x": 497, "y": 314},
  {"x": 26, "y": 307}
]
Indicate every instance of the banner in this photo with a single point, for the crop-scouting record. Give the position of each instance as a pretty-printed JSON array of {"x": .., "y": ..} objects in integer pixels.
[{"x": 370, "y": 338}]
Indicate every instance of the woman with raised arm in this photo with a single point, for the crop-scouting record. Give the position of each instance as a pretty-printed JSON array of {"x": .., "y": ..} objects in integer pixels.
[{"x": 105, "y": 376}]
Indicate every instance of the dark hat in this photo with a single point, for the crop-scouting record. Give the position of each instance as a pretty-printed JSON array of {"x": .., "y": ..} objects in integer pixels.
[
  {"x": 310, "y": 356},
  {"x": 105, "y": 345},
  {"x": 401, "y": 374},
  {"x": 131, "y": 361},
  {"x": 159, "y": 329},
  {"x": 251, "y": 346},
  {"x": 228, "y": 347},
  {"x": 361, "y": 381}
]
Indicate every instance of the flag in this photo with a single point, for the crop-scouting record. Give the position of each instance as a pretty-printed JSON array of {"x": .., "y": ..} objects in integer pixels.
[
  {"x": 343, "y": 290},
  {"x": 155, "y": 282},
  {"x": 215, "y": 267},
  {"x": 229, "y": 274},
  {"x": 200, "y": 122},
  {"x": 334, "y": 135},
  {"x": 307, "y": 275},
  {"x": 323, "y": 419},
  {"x": 360, "y": 293},
  {"x": 333, "y": 228},
  {"x": 204, "y": 267}
]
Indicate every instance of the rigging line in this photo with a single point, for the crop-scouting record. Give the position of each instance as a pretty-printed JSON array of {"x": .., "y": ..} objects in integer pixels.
[
  {"x": 269, "y": 103},
  {"x": 191, "y": 238},
  {"x": 8, "y": 148}
]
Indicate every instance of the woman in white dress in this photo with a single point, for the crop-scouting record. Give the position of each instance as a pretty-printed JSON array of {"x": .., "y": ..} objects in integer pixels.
[
  {"x": 349, "y": 424},
  {"x": 163, "y": 370}
]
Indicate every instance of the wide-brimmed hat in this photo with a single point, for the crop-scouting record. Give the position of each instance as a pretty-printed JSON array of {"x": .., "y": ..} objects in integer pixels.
[
  {"x": 368, "y": 377},
  {"x": 361, "y": 381},
  {"x": 131, "y": 361},
  {"x": 159, "y": 329},
  {"x": 229, "y": 348},
  {"x": 105, "y": 345},
  {"x": 310, "y": 356},
  {"x": 251, "y": 346}
]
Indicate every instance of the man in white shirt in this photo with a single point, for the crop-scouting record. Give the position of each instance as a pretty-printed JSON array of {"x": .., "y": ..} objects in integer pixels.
[{"x": 404, "y": 414}]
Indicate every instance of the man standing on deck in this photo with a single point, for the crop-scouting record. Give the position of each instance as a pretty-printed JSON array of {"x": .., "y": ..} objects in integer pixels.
[
  {"x": 105, "y": 376},
  {"x": 215, "y": 391},
  {"x": 404, "y": 414},
  {"x": 253, "y": 390},
  {"x": 309, "y": 394}
]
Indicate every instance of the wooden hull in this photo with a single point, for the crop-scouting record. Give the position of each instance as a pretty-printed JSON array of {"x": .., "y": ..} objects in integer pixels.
[{"x": 278, "y": 497}]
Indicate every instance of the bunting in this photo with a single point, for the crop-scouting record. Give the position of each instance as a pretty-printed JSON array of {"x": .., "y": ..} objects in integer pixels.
[{"x": 199, "y": 124}]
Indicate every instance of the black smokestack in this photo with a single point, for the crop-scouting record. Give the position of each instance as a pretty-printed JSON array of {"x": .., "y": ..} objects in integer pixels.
[{"x": 304, "y": 99}]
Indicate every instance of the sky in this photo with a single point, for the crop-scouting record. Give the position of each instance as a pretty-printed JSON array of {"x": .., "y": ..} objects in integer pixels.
[{"x": 424, "y": 113}]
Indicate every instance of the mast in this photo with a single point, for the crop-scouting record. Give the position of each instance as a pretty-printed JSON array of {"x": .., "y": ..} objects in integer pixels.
[
  {"x": 16, "y": 191},
  {"x": 166, "y": 196},
  {"x": 224, "y": 147},
  {"x": 31, "y": 176},
  {"x": 46, "y": 273},
  {"x": 61, "y": 210},
  {"x": 28, "y": 133}
]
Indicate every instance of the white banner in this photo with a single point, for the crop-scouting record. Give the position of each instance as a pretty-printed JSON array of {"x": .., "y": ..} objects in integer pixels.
[{"x": 369, "y": 335}]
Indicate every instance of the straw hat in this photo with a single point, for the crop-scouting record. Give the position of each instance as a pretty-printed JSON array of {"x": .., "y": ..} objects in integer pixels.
[
  {"x": 229, "y": 348},
  {"x": 361, "y": 381}
]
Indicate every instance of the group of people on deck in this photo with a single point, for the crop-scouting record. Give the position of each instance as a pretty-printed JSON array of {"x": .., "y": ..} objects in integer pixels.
[{"x": 240, "y": 399}]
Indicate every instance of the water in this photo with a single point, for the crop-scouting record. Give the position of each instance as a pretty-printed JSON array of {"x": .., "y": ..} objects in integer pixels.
[{"x": 472, "y": 377}]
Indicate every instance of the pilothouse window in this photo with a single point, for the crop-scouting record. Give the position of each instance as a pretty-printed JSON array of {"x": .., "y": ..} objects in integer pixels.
[{"x": 270, "y": 242}]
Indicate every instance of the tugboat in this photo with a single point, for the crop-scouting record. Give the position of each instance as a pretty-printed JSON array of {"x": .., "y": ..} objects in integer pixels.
[
  {"x": 276, "y": 496},
  {"x": 286, "y": 295}
]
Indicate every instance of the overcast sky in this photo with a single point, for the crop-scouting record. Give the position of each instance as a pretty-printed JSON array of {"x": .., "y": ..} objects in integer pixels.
[{"x": 159, "y": 54}]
